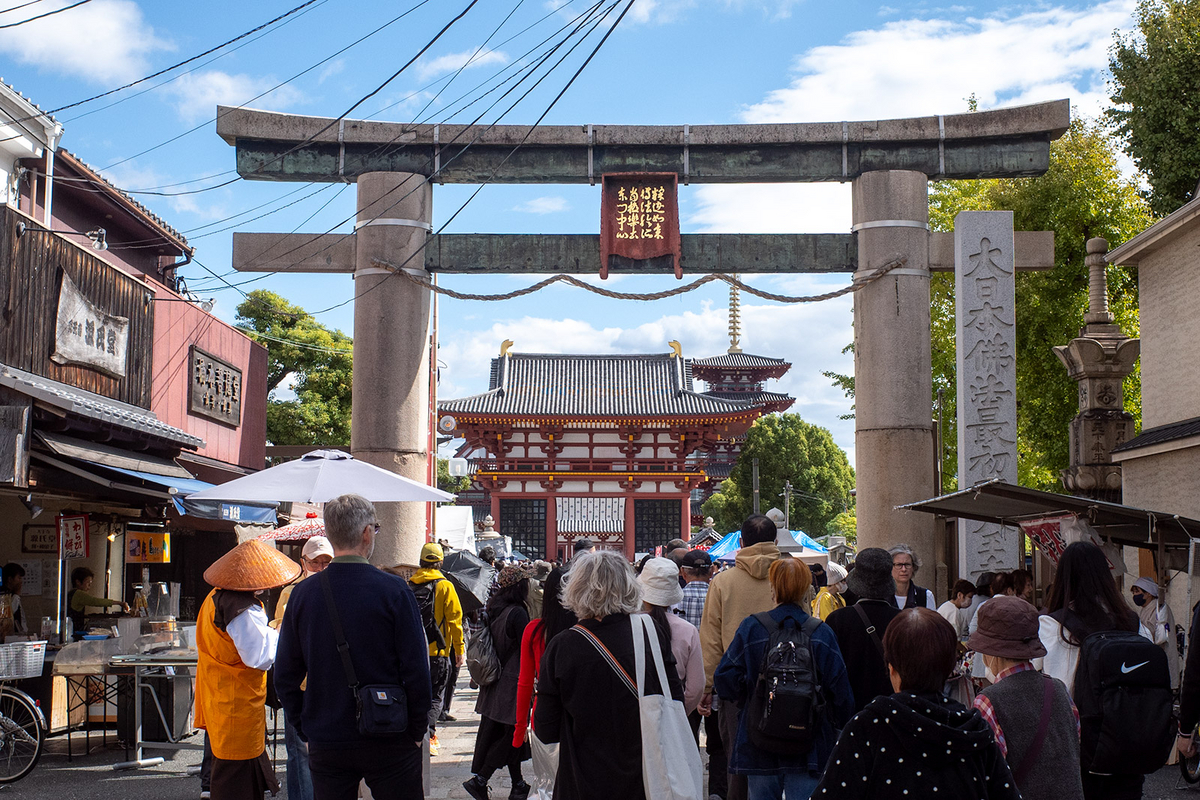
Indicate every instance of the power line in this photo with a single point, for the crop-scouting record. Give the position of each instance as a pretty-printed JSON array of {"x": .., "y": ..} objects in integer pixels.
[
  {"x": 185, "y": 61},
  {"x": 43, "y": 16},
  {"x": 23, "y": 5}
]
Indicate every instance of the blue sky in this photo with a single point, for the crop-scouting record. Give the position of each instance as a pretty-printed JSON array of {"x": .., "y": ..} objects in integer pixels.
[{"x": 670, "y": 62}]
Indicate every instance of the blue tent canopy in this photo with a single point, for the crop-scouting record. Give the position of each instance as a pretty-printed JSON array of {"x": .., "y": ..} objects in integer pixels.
[
  {"x": 731, "y": 542},
  {"x": 180, "y": 488}
]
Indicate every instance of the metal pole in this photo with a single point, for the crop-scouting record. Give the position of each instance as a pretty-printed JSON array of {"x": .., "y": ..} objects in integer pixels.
[
  {"x": 1191, "y": 570},
  {"x": 938, "y": 444},
  {"x": 787, "y": 505},
  {"x": 754, "y": 481}
]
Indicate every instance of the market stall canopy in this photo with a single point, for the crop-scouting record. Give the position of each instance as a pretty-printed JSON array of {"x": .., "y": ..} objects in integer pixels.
[
  {"x": 321, "y": 476},
  {"x": 299, "y": 531},
  {"x": 1005, "y": 504}
]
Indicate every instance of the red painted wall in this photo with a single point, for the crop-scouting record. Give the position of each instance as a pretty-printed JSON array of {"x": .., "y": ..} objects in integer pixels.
[{"x": 178, "y": 326}]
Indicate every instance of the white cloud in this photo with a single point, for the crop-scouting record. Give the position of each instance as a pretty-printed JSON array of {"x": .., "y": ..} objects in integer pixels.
[
  {"x": 198, "y": 94},
  {"x": 550, "y": 204},
  {"x": 331, "y": 69},
  {"x": 452, "y": 62},
  {"x": 104, "y": 42}
]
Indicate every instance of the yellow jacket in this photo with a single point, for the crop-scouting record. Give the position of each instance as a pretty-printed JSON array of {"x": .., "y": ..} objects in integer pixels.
[
  {"x": 447, "y": 611},
  {"x": 826, "y": 602},
  {"x": 734, "y": 595}
]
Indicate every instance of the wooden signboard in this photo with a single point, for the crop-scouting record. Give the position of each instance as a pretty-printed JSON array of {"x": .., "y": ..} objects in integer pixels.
[
  {"x": 39, "y": 539},
  {"x": 639, "y": 218},
  {"x": 216, "y": 388},
  {"x": 73, "y": 533}
]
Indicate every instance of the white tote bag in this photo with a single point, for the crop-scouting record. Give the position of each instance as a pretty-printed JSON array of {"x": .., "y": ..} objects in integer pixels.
[{"x": 671, "y": 768}]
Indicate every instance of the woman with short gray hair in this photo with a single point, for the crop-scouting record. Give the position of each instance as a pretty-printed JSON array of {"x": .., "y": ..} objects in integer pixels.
[
  {"x": 905, "y": 565},
  {"x": 584, "y": 700}
]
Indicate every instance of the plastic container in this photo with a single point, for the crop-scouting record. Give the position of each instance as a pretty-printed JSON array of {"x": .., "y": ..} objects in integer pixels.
[{"x": 22, "y": 660}]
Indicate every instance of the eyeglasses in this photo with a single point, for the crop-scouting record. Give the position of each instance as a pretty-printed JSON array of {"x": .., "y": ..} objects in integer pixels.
[
  {"x": 902, "y": 565},
  {"x": 376, "y": 528}
]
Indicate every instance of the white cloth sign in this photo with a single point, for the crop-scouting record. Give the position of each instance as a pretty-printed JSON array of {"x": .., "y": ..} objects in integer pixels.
[{"x": 86, "y": 335}]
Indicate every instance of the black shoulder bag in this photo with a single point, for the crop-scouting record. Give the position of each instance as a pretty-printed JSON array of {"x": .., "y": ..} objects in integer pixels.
[{"x": 381, "y": 709}]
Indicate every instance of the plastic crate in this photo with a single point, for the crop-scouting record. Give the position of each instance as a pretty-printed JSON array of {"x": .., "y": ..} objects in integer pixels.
[{"x": 22, "y": 660}]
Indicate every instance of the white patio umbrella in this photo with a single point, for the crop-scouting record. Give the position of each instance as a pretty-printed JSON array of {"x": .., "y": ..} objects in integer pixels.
[{"x": 319, "y": 477}]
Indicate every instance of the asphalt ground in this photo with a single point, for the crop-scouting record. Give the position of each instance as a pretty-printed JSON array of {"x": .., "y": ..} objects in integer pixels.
[{"x": 91, "y": 776}]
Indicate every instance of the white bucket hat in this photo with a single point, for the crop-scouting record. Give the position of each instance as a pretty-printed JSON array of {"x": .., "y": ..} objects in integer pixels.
[
  {"x": 660, "y": 582},
  {"x": 836, "y": 573}
]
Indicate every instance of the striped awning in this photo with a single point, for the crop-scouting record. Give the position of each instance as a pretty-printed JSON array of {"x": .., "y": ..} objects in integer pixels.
[{"x": 590, "y": 514}]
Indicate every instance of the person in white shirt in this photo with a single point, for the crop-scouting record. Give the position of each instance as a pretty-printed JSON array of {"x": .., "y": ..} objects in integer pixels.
[
  {"x": 1156, "y": 617},
  {"x": 955, "y": 609}
]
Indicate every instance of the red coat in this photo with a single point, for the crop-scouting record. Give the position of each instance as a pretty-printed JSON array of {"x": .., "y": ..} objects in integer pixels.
[{"x": 533, "y": 644}]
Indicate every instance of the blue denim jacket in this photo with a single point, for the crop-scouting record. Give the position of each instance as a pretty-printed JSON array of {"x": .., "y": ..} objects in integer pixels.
[{"x": 738, "y": 672}]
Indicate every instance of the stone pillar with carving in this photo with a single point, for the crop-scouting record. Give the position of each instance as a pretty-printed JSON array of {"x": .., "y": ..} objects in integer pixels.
[{"x": 1099, "y": 360}]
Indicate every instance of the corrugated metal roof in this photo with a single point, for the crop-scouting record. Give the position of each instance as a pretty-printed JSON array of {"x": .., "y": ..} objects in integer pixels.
[
  {"x": 93, "y": 406},
  {"x": 1163, "y": 433},
  {"x": 591, "y": 386},
  {"x": 744, "y": 360}
]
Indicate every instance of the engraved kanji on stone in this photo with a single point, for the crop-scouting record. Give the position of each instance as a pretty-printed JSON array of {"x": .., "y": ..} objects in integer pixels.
[
  {"x": 987, "y": 318},
  {"x": 991, "y": 354},
  {"x": 989, "y": 390},
  {"x": 984, "y": 260}
]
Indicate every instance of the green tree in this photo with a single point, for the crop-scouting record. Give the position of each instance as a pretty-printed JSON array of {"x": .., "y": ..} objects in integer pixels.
[
  {"x": 1156, "y": 96},
  {"x": 1083, "y": 195},
  {"x": 845, "y": 524},
  {"x": 787, "y": 448},
  {"x": 313, "y": 359},
  {"x": 446, "y": 482}
]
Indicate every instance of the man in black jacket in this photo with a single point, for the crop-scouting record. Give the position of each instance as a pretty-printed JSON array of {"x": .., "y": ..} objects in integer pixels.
[
  {"x": 860, "y": 627},
  {"x": 386, "y": 639}
]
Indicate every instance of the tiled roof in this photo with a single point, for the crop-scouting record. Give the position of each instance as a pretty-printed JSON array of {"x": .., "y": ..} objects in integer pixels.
[
  {"x": 21, "y": 95},
  {"x": 93, "y": 406},
  {"x": 756, "y": 398},
  {"x": 1163, "y": 433},
  {"x": 591, "y": 386},
  {"x": 150, "y": 216},
  {"x": 742, "y": 360}
]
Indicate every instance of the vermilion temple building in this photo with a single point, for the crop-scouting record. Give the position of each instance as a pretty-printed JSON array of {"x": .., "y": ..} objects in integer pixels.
[{"x": 611, "y": 447}]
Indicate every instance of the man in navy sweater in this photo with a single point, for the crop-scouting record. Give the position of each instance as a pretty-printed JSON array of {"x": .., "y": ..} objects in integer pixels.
[{"x": 387, "y": 646}]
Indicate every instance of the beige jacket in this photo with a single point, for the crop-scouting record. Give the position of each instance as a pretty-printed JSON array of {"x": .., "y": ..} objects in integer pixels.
[{"x": 734, "y": 595}]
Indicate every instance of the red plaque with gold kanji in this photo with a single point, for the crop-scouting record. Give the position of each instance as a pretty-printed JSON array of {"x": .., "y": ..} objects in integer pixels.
[{"x": 639, "y": 218}]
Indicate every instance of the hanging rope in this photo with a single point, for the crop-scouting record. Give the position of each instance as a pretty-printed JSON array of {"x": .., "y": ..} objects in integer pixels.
[{"x": 896, "y": 261}]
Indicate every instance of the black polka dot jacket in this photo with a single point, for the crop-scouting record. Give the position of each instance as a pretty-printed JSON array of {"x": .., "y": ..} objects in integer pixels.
[{"x": 907, "y": 746}]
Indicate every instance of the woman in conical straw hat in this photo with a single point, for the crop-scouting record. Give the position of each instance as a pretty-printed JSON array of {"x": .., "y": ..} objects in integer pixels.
[{"x": 236, "y": 648}]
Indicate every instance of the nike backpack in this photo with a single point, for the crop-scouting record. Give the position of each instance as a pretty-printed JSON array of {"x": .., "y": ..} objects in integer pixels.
[
  {"x": 1123, "y": 693},
  {"x": 786, "y": 705}
]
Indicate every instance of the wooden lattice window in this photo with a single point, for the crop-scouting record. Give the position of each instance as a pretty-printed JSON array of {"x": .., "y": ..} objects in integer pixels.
[
  {"x": 525, "y": 522},
  {"x": 656, "y": 522}
]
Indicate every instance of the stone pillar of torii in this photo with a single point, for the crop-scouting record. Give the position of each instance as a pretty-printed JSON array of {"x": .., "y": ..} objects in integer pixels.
[{"x": 889, "y": 164}]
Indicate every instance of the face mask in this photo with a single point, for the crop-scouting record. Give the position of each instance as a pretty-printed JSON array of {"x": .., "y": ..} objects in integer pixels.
[
  {"x": 1139, "y": 600},
  {"x": 841, "y": 587},
  {"x": 987, "y": 673}
]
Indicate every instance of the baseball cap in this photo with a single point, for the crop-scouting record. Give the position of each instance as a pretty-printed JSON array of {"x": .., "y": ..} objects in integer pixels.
[
  {"x": 431, "y": 552},
  {"x": 317, "y": 546},
  {"x": 696, "y": 559}
]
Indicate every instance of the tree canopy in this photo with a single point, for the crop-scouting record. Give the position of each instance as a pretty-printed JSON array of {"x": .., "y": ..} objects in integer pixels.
[
  {"x": 1156, "y": 96},
  {"x": 787, "y": 448},
  {"x": 1083, "y": 195},
  {"x": 314, "y": 361}
]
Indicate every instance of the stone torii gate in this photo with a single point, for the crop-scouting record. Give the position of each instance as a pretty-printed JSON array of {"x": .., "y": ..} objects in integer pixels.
[{"x": 889, "y": 164}]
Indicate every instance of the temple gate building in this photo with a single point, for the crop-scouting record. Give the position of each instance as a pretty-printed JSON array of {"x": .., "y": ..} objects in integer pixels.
[{"x": 609, "y": 447}]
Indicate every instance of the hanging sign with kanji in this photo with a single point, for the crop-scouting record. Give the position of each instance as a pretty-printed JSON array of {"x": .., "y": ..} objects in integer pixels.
[
  {"x": 73, "y": 534},
  {"x": 639, "y": 218},
  {"x": 147, "y": 548}
]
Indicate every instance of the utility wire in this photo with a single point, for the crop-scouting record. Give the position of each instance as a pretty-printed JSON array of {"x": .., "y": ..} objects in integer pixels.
[
  {"x": 43, "y": 16},
  {"x": 186, "y": 61},
  {"x": 18, "y": 8}
]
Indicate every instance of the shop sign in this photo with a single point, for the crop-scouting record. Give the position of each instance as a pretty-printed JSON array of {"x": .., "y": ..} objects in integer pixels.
[
  {"x": 215, "y": 388},
  {"x": 83, "y": 334},
  {"x": 639, "y": 218},
  {"x": 73, "y": 533},
  {"x": 147, "y": 548},
  {"x": 39, "y": 539}
]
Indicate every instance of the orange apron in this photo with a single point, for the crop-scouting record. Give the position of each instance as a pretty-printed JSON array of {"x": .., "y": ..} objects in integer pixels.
[{"x": 230, "y": 697}]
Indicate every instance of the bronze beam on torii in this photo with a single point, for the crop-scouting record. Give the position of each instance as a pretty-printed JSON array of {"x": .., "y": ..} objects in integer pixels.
[{"x": 1005, "y": 143}]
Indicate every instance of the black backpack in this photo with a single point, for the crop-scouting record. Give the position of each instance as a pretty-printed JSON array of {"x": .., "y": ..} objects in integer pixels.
[
  {"x": 1123, "y": 693},
  {"x": 426, "y": 594},
  {"x": 787, "y": 703}
]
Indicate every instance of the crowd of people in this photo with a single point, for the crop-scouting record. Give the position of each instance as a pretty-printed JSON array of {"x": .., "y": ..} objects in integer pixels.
[{"x": 834, "y": 682}]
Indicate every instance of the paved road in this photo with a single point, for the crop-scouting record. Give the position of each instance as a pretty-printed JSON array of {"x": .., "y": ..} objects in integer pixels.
[{"x": 91, "y": 777}]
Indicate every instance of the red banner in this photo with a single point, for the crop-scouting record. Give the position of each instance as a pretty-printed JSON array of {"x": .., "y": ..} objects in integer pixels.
[{"x": 639, "y": 218}]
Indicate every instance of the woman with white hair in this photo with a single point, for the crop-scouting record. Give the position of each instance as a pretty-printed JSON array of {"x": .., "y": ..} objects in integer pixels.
[{"x": 584, "y": 697}]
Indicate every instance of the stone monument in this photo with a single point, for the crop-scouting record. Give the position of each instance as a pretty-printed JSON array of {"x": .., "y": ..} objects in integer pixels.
[{"x": 985, "y": 298}]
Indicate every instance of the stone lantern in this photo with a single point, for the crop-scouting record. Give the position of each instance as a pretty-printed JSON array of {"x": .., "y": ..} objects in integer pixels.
[{"x": 1099, "y": 360}]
